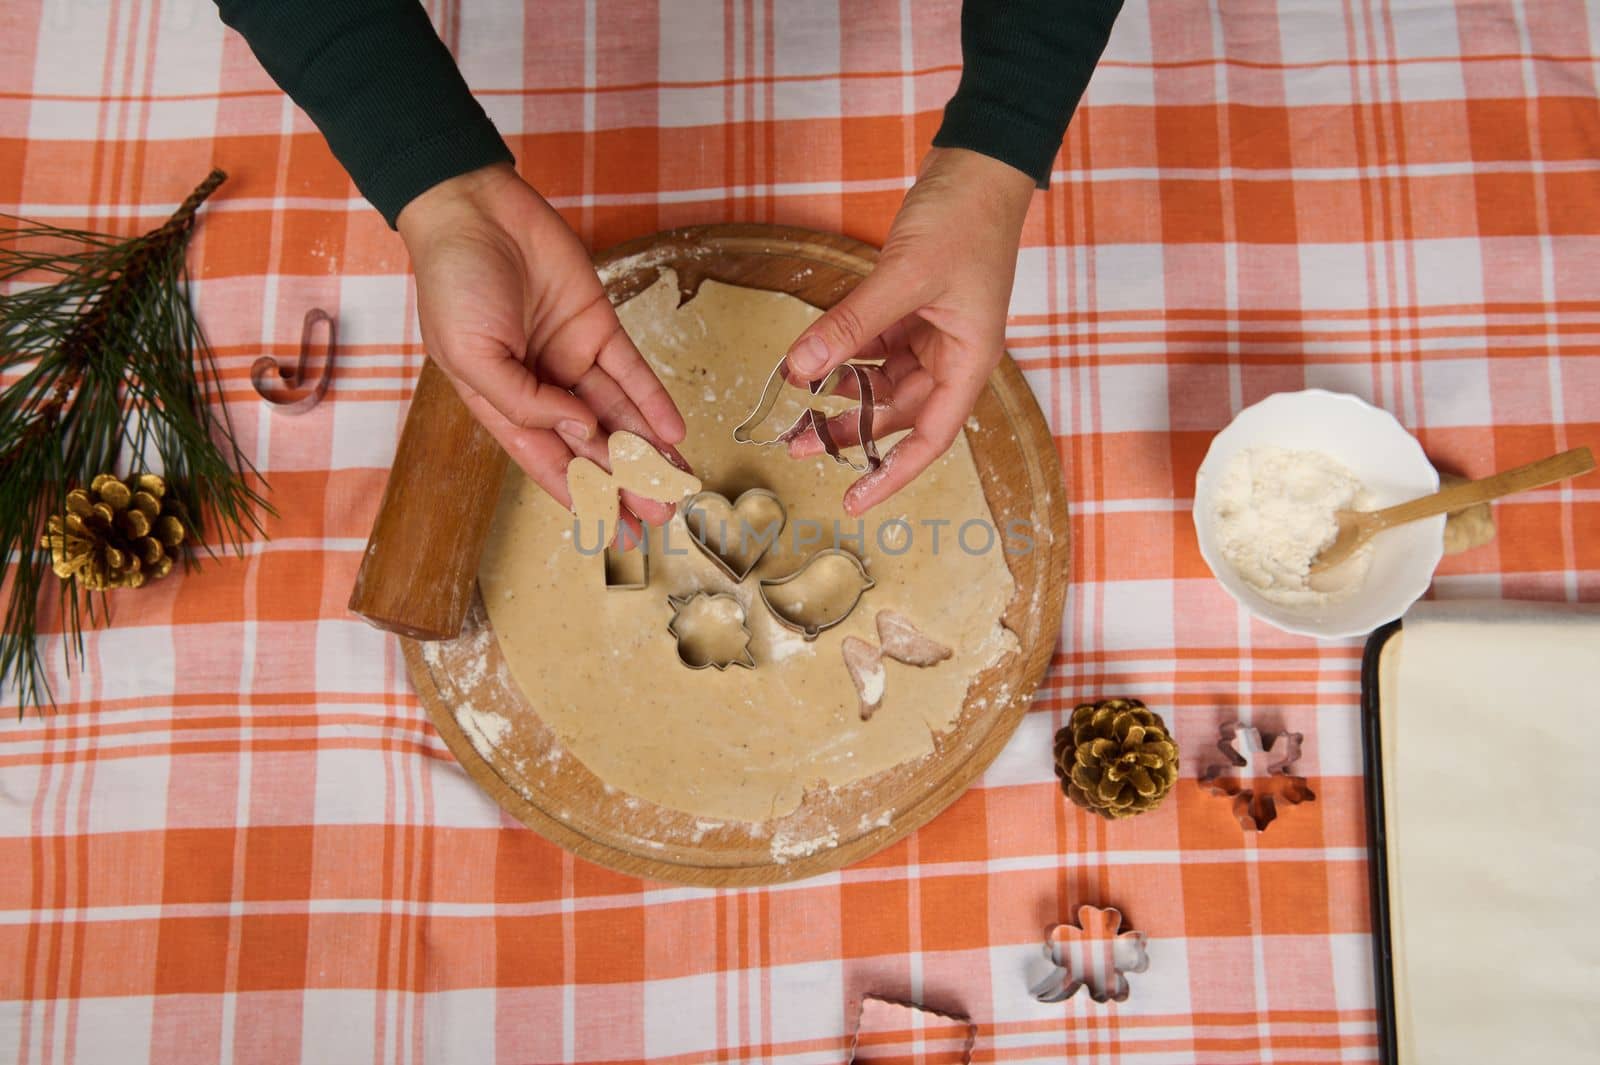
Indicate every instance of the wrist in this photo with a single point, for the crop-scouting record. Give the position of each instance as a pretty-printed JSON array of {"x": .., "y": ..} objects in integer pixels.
[
  {"x": 1001, "y": 191},
  {"x": 444, "y": 205}
]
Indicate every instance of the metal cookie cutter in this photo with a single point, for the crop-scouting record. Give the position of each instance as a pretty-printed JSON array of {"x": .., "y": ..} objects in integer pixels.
[
  {"x": 1095, "y": 953},
  {"x": 710, "y": 630},
  {"x": 744, "y": 432},
  {"x": 293, "y": 379},
  {"x": 759, "y": 515},
  {"x": 820, "y": 594},
  {"x": 1259, "y": 775},
  {"x": 619, "y": 575},
  {"x": 889, "y": 1028}
]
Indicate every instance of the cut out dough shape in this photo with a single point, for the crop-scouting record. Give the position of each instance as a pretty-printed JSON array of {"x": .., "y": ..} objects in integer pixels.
[
  {"x": 745, "y": 744},
  {"x": 636, "y": 467},
  {"x": 594, "y": 500},
  {"x": 639, "y": 468}
]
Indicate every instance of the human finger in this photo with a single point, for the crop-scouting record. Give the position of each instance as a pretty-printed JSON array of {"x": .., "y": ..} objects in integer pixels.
[
  {"x": 647, "y": 510},
  {"x": 882, "y": 299},
  {"x": 639, "y": 383},
  {"x": 943, "y": 414},
  {"x": 491, "y": 371},
  {"x": 893, "y": 410}
]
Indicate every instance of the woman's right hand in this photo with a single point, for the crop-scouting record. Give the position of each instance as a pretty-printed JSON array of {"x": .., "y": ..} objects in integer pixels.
[{"x": 512, "y": 311}]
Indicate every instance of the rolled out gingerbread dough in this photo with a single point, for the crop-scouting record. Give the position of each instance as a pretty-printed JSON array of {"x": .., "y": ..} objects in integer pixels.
[{"x": 601, "y": 669}]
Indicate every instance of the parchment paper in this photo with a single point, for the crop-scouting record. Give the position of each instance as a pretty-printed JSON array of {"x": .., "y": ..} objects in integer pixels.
[{"x": 1489, "y": 718}]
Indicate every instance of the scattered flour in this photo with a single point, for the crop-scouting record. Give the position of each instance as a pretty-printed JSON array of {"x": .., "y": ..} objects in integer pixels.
[
  {"x": 486, "y": 729},
  {"x": 1275, "y": 511},
  {"x": 873, "y": 682},
  {"x": 785, "y": 847}
]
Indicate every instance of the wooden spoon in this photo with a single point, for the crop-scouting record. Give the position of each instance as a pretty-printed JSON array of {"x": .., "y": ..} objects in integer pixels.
[{"x": 1356, "y": 527}]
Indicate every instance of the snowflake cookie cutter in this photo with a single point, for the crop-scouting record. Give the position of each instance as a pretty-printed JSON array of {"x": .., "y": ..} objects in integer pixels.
[
  {"x": 892, "y": 1030},
  {"x": 1256, "y": 794},
  {"x": 812, "y": 418},
  {"x": 710, "y": 629},
  {"x": 1093, "y": 954},
  {"x": 756, "y": 508},
  {"x": 822, "y": 593}
]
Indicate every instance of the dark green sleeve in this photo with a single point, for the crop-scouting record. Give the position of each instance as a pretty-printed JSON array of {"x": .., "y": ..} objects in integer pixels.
[
  {"x": 380, "y": 85},
  {"x": 1024, "y": 66}
]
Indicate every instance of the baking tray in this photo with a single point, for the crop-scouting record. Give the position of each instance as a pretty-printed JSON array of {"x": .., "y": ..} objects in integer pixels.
[{"x": 1378, "y": 844}]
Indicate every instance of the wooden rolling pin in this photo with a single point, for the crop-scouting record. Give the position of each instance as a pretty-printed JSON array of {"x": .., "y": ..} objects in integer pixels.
[{"x": 421, "y": 562}]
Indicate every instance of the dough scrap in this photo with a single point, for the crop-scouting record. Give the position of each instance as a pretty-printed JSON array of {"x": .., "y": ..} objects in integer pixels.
[{"x": 902, "y": 641}]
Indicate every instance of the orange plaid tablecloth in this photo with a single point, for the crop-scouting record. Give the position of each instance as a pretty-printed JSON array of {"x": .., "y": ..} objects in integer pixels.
[{"x": 238, "y": 839}]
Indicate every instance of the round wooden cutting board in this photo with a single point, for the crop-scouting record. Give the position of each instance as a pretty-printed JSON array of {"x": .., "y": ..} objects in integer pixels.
[{"x": 532, "y": 776}]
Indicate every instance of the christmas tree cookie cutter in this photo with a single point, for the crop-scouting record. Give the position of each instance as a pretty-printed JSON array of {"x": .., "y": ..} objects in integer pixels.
[
  {"x": 1095, "y": 954},
  {"x": 710, "y": 630},
  {"x": 822, "y": 593},
  {"x": 814, "y": 419},
  {"x": 759, "y": 517},
  {"x": 1257, "y": 793}
]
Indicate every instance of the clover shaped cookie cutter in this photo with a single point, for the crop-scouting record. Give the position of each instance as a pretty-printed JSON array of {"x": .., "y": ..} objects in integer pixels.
[
  {"x": 1095, "y": 954},
  {"x": 744, "y": 432}
]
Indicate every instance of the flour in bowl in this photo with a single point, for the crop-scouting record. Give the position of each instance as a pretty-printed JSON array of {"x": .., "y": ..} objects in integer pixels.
[{"x": 1275, "y": 512}]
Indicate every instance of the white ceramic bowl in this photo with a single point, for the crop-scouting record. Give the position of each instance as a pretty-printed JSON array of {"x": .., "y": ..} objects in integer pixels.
[{"x": 1387, "y": 460}]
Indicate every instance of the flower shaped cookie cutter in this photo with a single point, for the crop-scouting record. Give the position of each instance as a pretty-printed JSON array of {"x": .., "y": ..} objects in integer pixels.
[
  {"x": 744, "y": 432},
  {"x": 710, "y": 630}
]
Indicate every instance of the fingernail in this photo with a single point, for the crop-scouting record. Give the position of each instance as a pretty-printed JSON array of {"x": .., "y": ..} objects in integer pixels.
[
  {"x": 574, "y": 428},
  {"x": 809, "y": 356}
]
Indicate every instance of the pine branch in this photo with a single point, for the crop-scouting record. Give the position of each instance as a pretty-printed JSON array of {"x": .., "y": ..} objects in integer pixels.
[{"x": 112, "y": 374}]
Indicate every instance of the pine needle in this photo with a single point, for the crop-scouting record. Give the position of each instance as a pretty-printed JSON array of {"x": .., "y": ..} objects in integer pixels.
[{"x": 111, "y": 374}]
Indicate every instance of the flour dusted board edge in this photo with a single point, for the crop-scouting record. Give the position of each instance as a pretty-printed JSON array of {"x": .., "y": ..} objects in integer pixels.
[{"x": 552, "y": 793}]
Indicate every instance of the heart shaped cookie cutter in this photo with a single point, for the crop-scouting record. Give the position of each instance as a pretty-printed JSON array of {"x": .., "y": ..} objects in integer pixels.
[
  {"x": 744, "y": 432},
  {"x": 736, "y": 558}
]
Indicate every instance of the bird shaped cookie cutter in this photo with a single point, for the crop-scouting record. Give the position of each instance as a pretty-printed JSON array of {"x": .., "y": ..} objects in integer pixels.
[
  {"x": 814, "y": 419},
  {"x": 840, "y": 581}
]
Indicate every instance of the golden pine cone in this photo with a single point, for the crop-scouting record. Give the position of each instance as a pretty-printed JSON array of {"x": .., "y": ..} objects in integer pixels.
[
  {"x": 1116, "y": 758},
  {"x": 116, "y": 533}
]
